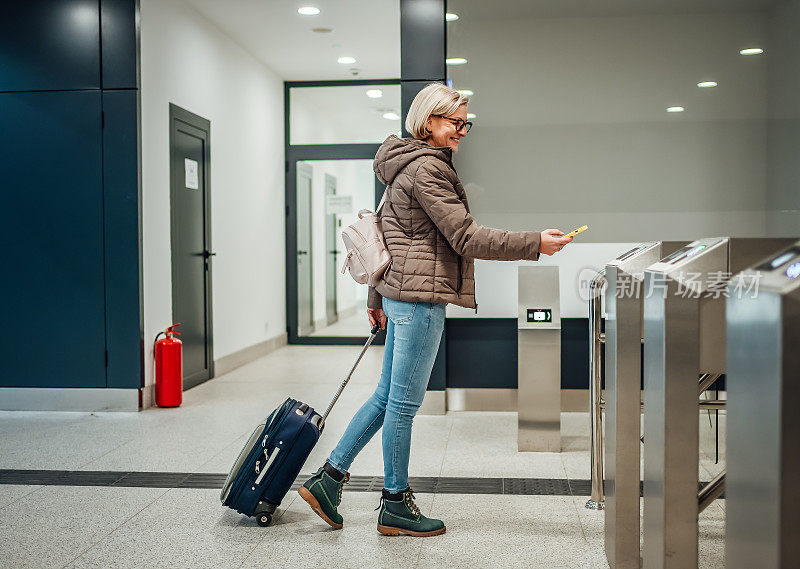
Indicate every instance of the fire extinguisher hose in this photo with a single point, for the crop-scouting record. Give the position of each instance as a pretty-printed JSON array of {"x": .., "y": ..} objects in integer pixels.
[{"x": 156, "y": 340}]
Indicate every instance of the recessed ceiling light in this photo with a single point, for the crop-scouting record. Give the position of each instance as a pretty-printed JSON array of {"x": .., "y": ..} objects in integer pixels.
[
  {"x": 374, "y": 93},
  {"x": 751, "y": 51},
  {"x": 472, "y": 116},
  {"x": 466, "y": 92},
  {"x": 322, "y": 30},
  {"x": 392, "y": 116},
  {"x": 450, "y": 17},
  {"x": 706, "y": 84},
  {"x": 308, "y": 11},
  {"x": 346, "y": 60},
  {"x": 675, "y": 109},
  {"x": 455, "y": 61}
]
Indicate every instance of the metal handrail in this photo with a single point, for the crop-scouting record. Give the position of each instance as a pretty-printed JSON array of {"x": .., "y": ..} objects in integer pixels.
[
  {"x": 596, "y": 337},
  {"x": 711, "y": 492},
  {"x": 706, "y": 380}
]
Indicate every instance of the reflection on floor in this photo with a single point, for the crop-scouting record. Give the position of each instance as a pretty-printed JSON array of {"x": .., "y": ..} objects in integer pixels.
[
  {"x": 81, "y": 527},
  {"x": 354, "y": 324}
]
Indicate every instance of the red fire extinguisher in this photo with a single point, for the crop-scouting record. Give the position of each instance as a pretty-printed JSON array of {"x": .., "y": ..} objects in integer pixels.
[{"x": 169, "y": 369}]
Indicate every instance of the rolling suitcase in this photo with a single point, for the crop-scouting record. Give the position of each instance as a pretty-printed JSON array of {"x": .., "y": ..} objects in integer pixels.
[{"x": 276, "y": 451}]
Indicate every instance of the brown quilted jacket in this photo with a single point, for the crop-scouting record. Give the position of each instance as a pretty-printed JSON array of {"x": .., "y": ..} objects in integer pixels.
[{"x": 429, "y": 231}]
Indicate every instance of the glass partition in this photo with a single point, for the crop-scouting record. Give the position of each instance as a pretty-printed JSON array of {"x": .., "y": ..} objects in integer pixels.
[
  {"x": 329, "y": 195},
  {"x": 343, "y": 114}
]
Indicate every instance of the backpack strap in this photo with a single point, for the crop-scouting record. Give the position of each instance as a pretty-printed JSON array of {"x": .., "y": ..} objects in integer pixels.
[{"x": 383, "y": 200}]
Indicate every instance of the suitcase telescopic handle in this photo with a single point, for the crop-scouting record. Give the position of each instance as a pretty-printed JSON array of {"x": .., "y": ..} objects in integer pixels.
[{"x": 372, "y": 334}]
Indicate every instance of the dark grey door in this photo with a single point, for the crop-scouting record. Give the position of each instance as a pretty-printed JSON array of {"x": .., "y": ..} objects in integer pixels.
[
  {"x": 190, "y": 197},
  {"x": 331, "y": 312}
]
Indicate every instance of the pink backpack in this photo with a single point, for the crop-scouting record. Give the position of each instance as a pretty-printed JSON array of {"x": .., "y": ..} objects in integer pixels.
[{"x": 367, "y": 255}]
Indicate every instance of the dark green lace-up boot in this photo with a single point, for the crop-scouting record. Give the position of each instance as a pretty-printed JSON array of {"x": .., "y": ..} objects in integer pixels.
[
  {"x": 399, "y": 515},
  {"x": 324, "y": 494}
]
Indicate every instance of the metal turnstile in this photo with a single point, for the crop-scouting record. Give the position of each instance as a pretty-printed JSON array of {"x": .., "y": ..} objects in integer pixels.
[
  {"x": 763, "y": 383},
  {"x": 539, "y": 360},
  {"x": 623, "y": 373},
  {"x": 684, "y": 352}
]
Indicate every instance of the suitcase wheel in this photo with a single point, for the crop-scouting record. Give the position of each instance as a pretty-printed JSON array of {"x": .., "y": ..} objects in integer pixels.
[{"x": 263, "y": 513}]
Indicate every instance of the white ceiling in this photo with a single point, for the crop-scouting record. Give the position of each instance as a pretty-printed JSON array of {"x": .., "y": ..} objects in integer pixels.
[{"x": 275, "y": 33}]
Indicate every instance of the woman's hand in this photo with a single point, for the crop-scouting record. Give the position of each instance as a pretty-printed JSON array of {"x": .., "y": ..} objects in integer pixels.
[
  {"x": 552, "y": 242},
  {"x": 376, "y": 316}
]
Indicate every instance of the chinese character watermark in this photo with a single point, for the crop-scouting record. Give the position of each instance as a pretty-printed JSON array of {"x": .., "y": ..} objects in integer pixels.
[{"x": 692, "y": 285}]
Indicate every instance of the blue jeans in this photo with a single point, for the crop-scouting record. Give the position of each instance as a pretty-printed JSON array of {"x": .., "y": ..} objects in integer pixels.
[{"x": 413, "y": 332}]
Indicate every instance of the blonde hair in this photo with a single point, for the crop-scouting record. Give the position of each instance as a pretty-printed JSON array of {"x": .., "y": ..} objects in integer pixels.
[{"x": 434, "y": 99}]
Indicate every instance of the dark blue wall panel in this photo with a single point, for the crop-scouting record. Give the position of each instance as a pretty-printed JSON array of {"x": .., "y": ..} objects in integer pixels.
[
  {"x": 122, "y": 239},
  {"x": 70, "y": 204},
  {"x": 50, "y": 44},
  {"x": 574, "y": 353},
  {"x": 423, "y": 45},
  {"x": 482, "y": 352},
  {"x": 51, "y": 228},
  {"x": 118, "y": 33},
  {"x": 423, "y": 40}
]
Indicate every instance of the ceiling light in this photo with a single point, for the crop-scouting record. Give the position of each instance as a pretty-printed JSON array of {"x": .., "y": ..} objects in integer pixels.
[
  {"x": 322, "y": 30},
  {"x": 374, "y": 93},
  {"x": 455, "y": 61},
  {"x": 472, "y": 116},
  {"x": 346, "y": 60},
  {"x": 450, "y": 17},
  {"x": 675, "y": 109},
  {"x": 706, "y": 84},
  {"x": 466, "y": 92},
  {"x": 751, "y": 51},
  {"x": 308, "y": 11},
  {"x": 392, "y": 116}
]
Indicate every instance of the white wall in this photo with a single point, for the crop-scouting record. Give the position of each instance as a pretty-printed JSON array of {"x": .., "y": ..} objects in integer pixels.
[
  {"x": 783, "y": 169},
  {"x": 187, "y": 61},
  {"x": 496, "y": 283},
  {"x": 572, "y": 126}
]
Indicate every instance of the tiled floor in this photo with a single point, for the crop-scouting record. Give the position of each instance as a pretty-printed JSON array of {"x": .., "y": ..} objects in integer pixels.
[
  {"x": 57, "y": 526},
  {"x": 350, "y": 324}
]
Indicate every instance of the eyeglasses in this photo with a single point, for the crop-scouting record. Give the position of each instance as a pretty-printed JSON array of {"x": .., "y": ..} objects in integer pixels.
[{"x": 458, "y": 123}]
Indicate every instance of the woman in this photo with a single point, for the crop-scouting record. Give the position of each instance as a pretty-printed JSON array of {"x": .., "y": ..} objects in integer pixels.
[{"x": 433, "y": 240}]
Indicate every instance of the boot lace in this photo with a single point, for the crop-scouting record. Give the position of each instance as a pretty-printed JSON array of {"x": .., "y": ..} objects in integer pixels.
[
  {"x": 344, "y": 481},
  {"x": 409, "y": 498}
]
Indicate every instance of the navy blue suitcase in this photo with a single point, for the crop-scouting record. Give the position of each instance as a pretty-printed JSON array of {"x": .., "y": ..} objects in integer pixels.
[{"x": 269, "y": 463}]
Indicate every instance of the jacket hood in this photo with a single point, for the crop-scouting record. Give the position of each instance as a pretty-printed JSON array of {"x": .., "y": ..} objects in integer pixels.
[{"x": 396, "y": 153}]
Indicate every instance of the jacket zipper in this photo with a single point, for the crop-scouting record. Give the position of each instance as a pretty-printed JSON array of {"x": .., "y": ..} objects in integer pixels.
[
  {"x": 460, "y": 282},
  {"x": 459, "y": 276}
]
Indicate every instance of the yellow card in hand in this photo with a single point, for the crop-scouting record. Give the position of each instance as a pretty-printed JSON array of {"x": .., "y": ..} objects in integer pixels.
[{"x": 579, "y": 230}]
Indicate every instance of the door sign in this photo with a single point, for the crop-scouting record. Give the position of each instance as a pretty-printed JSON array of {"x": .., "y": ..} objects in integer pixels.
[
  {"x": 190, "y": 170},
  {"x": 338, "y": 204}
]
